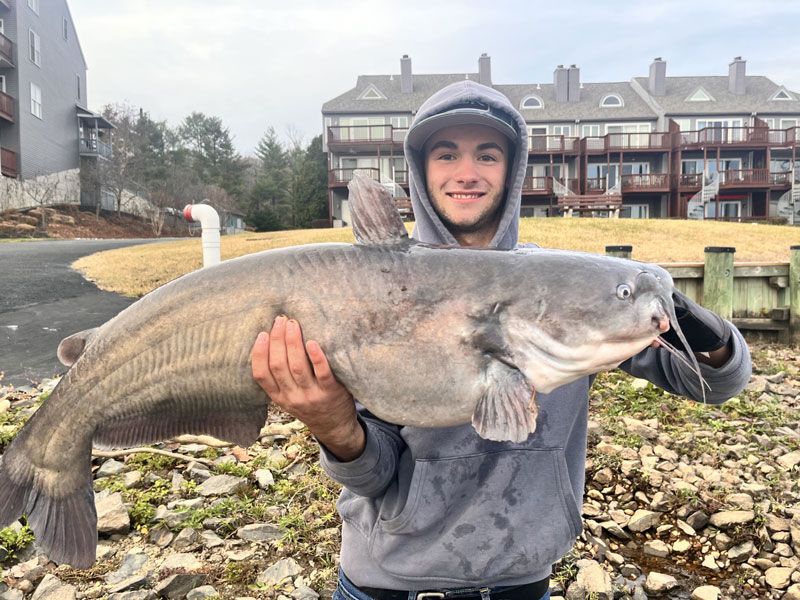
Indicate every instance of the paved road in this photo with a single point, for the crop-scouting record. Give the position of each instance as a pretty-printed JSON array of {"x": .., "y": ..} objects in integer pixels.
[{"x": 42, "y": 301}]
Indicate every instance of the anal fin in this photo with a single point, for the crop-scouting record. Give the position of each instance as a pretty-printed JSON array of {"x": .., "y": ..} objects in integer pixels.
[{"x": 506, "y": 410}]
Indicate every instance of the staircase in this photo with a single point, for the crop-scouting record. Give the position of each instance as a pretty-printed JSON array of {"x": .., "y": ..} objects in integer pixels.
[
  {"x": 789, "y": 205},
  {"x": 696, "y": 209}
]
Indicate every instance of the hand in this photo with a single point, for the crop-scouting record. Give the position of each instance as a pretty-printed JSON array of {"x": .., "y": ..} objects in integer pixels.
[
  {"x": 307, "y": 390},
  {"x": 705, "y": 331}
]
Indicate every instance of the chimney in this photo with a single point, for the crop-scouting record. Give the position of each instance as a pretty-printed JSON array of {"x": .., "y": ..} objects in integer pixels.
[
  {"x": 574, "y": 84},
  {"x": 658, "y": 77},
  {"x": 560, "y": 80},
  {"x": 485, "y": 69},
  {"x": 406, "y": 82},
  {"x": 736, "y": 76}
]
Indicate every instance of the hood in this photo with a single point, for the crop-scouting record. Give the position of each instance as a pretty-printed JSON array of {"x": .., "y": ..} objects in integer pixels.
[{"x": 429, "y": 228}]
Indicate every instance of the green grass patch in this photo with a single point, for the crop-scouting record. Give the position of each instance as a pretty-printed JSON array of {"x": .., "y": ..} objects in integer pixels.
[{"x": 13, "y": 541}]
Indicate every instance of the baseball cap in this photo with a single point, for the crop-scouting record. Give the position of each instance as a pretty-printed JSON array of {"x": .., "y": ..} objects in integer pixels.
[{"x": 468, "y": 113}]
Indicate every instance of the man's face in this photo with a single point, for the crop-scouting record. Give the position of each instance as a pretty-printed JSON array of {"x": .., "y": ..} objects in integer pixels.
[{"x": 465, "y": 169}]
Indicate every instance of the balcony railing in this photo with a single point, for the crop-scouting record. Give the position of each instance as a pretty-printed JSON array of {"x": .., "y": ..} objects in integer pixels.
[
  {"x": 6, "y": 50},
  {"x": 538, "y": 184},
  {"x": 8, "y": 163},
  {"x": 93, "y": 146},
  {"x": 400, "y": 176},
  {"x": 781, "y": 178},
  {"x": 647, "y": 181},
  {"x": 365, "y": 134},
  {"x": 343, "y": 176},
  {"x": 541, "y": 143},
  {"x": 744, "y": 178},
  {"x": 6, "y": 107},
  {"x": 595, "y": 185},
  {"x": 713, "y": 136},
  {"x": 614, "y": 142},
  {"x": 690, "y": 180}
]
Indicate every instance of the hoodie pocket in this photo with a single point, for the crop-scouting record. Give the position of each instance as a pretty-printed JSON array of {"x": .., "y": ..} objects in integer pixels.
[{"x": 508, "y": 513}]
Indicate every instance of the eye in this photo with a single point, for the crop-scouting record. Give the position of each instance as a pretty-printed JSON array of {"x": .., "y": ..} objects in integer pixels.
[{"x": 624, "y": 291}]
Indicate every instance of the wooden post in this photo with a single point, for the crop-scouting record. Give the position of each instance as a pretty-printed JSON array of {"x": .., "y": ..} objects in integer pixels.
[
  {"x": 619, "y": 251},
  {"x": 794, "y": 293},
  {"x": 718, "y": 280}
]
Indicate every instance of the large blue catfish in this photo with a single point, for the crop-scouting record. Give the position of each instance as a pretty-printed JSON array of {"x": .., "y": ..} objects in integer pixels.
[{"x": 421, "y": 335}]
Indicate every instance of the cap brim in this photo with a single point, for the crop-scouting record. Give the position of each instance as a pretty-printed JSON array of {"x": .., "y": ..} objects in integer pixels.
[{"x": 420, "y": 133}]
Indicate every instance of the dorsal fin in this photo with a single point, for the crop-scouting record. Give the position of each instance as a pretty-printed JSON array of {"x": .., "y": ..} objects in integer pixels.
[
  {"x": 374, "y": 214},
  {"x": 70, "y": 348}
]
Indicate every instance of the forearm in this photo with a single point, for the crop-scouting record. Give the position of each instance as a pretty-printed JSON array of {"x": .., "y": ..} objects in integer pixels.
[{"x": 346, "y": 442}]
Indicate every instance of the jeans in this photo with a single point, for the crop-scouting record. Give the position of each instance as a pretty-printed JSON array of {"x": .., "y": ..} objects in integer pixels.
[{"x": 347, "y": 591}]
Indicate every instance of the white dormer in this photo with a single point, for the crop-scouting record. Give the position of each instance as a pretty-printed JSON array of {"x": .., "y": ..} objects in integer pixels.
[
  {"x": 700, "y": 95},
  {"x": 531, "y": 101},
  {"x": 372, "y": 93},
  {"x": 612, "y": 101},
  {"x": 783, "y": 94}
]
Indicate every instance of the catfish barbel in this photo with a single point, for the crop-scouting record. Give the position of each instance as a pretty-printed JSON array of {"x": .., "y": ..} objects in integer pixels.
[{"x": 420, "y": 335}]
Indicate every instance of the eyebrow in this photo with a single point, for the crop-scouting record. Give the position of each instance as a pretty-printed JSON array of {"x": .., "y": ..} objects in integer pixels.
[{"x": 480, "y": 148}]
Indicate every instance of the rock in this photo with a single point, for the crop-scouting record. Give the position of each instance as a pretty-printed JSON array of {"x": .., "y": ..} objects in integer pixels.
[
  {"x": 742, "y": 552},
  {"x": 615, "y": 530},
  {"x": 209, "y": 539},
  {"x": 778, "y": 577},
  {"x": 776, "y": 523},
  {"x": 110, "y": 468},
  {"x": 661, "y": 502},
  {"x": 132, "y": 479},
  {"x": 4, "y": 405},
  {"x": 136, "y": 582},
  {"x": 789, "y": 460},
  {"x": 706, "y": 592},
  {"x": 656, "y": 548},
  {"x": 112, "y": 516},
  {"x": 793, "y": 593},
  {"x": 260, "y": 532},
  {"x": 52, "y": 588},
  {"x": 264, "y": 478},
  {"x": 640, "y": 428},
  {"x": 187, "y": 562},
  {"x": 283, "y": 569},
  {"x": 658, "y": 583},
  {"x": 136, "y": 595},
  {"x": 794, "y": 529},
  {"x": 642, "y": 520},
  {"x": 198, "y": 473},
  {"x": 161, "y": 536},
  {"x": 740, "y": 501},
  {"x": 131, "y": 564},
  {"x": 202, "y": 592},
  {"x": 681, "y": 546},
  {"x": 187, "y": 537},
  {"x": 304, "y": 592},
  {"x": 179, "y": 585},
  {"x": 221, "y": 485},
  {"x": 686, "y": 528},
  {"x": 594, "y": 579},
  {"x": 730, "y": 518},
  {"x": 104, "y": 552},
  {"x": 710, "y": 563}
]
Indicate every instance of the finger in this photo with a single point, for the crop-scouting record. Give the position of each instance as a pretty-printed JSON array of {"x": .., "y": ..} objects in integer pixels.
[
  {"x": 278, "y": 363},
  {"x": 260, "y": 364},
  {"x": 320, "y": 365},
  {"x": 299, "y": 366}
]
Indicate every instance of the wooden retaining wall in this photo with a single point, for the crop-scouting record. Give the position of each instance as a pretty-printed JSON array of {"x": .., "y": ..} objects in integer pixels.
[{"x": 755, "y": 296}]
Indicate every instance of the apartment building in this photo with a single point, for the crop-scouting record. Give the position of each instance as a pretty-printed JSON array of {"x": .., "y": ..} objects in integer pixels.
[
  {"x": 45, "y": 128},
  {"x": 707, "y": 147}
]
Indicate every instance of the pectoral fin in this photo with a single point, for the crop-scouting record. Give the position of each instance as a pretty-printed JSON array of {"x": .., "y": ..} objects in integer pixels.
[
  {"x": 70, "y": 348},
  {"x": 506, "y": 410}
]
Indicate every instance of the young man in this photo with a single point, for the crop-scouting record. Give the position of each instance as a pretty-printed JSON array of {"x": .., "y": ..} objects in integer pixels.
[{"x": 443, "y": 512}]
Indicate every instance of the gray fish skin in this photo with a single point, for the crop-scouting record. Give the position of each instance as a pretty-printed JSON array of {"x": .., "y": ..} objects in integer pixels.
[{"x": 421, "y": 336}]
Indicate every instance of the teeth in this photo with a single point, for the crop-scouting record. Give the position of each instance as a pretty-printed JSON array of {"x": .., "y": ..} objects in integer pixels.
[{"x": 465, "y": 196}]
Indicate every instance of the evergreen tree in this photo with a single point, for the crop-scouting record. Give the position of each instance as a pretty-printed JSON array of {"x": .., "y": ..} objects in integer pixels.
[{"x": 308, "y": 185}]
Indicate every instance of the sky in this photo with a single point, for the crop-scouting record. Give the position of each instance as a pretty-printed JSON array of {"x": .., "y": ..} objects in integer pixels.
[{"x": 261, "y": 63}]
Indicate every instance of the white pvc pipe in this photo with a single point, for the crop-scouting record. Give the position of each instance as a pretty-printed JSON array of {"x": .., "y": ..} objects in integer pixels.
[{"x": 209, "y": 219}]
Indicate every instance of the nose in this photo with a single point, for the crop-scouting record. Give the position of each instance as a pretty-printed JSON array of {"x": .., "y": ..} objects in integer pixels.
[
  {"x": 465, "y": 171},
  {"x": 662, "y": 324},
  {"x": 660, "y": 319}
]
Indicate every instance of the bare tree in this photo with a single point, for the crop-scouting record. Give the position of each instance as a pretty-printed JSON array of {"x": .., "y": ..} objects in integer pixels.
[{"x": 42, "y": 191}]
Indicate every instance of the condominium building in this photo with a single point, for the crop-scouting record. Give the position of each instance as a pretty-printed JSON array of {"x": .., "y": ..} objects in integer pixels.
[
  {"x": 45, "y": 127},
  {"x": 718, "y": 147}
]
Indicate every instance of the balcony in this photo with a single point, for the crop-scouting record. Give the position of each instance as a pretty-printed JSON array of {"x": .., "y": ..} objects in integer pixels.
[
  {"x": 8, "y": 163},
  {"x": 549, "y": 144},
  {"x": 784, "y": 137},
  {"x": 365, "y": 134},
  {"x": 780, "y": 179},
  {"x": 649, "y": 182},
  {"x": 538, "y": 185},
  {"x": 90, "y": 146},
  {"x": 340, "y": 177},
  {"x": 727, "y": 136},
  {"x": 6, "y": 107},
  {"x": 690, "y": 180},
  {"x": 595, "y": 185},
  {"x": 619, "y": 142},
  {"x": 584, "y": 204},
  {"x": 6, "y": 51},
  {"x": 741, "y": 178}
]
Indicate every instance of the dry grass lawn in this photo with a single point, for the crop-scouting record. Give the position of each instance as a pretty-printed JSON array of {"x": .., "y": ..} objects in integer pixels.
[{"x": 137, "y": 270}]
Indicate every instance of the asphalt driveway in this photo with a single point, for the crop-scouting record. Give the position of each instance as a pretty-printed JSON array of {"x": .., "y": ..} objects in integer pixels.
[{"x": 42, "y": 301}]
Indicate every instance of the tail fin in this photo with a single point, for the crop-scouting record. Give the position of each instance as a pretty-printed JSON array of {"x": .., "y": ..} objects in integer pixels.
[{"x": 60, "y": 508}]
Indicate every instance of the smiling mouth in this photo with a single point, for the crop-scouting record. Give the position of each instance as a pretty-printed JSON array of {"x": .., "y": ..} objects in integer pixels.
[{"x": 469, "y": 196}]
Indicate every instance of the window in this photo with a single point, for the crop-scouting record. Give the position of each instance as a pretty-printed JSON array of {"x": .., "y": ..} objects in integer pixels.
[
  {"x": 612, "y": 101},
  {"x": 78, "y": 78},
  {"x": 2, "y": 26},
  {"x": 372, "y": 93},
  {"x": 3, "y": 83},
  {"x": 399, "y": 121},
  {"x": 728, "y": 209},
  {"x": 590, "y": 130},
  {"x": 532, "y": 102},
  {"x": 562, "y": 130},
  {"x": 36, "y": 100},
  {"x": 786, "y": 123},
  {"x": 700, "y": 95},
  {"x": 634, "y": 211},
  {"x": 34, "y": 48},
  {"x": 65, "y": 28},
  {"x": 782, "y": 95},
  {"x": 34, "y": 5}
]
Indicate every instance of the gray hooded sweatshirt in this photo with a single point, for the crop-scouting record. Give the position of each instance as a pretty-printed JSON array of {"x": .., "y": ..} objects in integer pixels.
[{"x": 427, "y": 508}]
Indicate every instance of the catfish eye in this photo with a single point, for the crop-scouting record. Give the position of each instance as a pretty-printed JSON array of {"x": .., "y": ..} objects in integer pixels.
[{"x": 624, "y": 291}]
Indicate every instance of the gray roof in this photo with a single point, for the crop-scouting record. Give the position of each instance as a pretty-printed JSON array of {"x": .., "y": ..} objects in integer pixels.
[
  {"x": 758, "y": 92},
  {"x": 389, "y": 85},
  {"x": 588, "y": 109}
]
